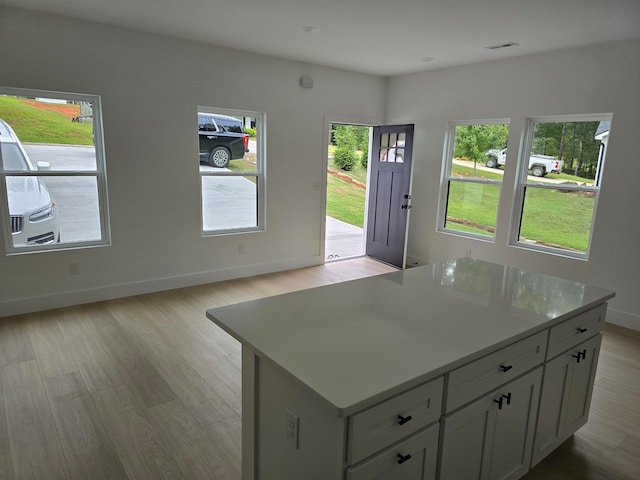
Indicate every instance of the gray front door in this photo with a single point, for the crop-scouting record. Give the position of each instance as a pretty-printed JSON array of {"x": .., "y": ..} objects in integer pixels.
[{"x": 389, "y": 193}]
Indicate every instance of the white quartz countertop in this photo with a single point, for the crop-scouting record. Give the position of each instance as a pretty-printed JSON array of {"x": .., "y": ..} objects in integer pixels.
[{"x": 356, "y": 343}]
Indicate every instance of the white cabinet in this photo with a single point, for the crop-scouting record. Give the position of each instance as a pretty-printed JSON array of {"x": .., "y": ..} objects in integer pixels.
[
  {"x": 413, "y": 459},
  {"x": 415, "y": 375},
  {"x": 397, "y": 418},
  {"x": 566, "y": 396},
  {"x": 492, "y": 437}
]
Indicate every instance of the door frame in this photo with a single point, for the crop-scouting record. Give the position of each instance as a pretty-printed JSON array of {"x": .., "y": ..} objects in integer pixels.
[{"x": 330, "y": 119}]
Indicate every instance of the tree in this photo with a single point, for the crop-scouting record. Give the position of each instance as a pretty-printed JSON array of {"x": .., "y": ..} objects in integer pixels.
[
  {"x": 473, "y": 141},
  {"x": 345, "y": 140}
]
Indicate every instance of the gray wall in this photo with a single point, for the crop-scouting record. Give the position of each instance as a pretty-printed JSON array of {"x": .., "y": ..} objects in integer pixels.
[
  {"x": 150, "y": 87},
  {"x": 597, "y": 79}
]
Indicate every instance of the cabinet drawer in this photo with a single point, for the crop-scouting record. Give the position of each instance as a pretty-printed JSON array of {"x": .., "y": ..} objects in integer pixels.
[
  {"x": 479, "y": 377},
  {"x": 394, "y": 419},
  {"x": 413, "y": 459},
  {"x": 571, "y": 332}
]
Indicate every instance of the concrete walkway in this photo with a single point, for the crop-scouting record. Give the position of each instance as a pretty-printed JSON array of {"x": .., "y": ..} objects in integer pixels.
[{"x": 342, "y": 240}]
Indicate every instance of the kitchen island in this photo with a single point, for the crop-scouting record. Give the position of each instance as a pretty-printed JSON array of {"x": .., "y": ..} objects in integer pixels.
[{"x": 460, "y": 369}]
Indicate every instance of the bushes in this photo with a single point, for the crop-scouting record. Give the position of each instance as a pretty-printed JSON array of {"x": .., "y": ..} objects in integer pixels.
[
  {"x": 364, "y": 156},
  {"x": 348, "y": 140},
  {"x": 344, "y": 157}
]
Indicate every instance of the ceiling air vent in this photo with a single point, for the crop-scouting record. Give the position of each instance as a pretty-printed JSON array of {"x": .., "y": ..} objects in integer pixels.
[{"x": 502, "y": 45}]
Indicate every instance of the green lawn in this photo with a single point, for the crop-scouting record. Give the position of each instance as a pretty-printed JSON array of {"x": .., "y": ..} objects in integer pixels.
[
  {"x": 345, "y": 201},
  {"x": 33, "y": 124},
  {"x": 551, "y": 217}
]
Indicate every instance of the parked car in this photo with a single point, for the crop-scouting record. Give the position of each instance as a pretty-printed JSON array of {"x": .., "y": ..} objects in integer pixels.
[
  {"x": 32, "y": 209},
  {"x": 539, "y": 165},
  {"x": 221, "y": 138}
]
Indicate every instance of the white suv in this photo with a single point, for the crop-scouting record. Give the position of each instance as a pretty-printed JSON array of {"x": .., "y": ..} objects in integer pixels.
[{"x": 31, "y": 207}]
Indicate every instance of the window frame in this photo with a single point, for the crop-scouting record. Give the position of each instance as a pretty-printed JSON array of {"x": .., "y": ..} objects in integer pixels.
[
  {"x": 446, "y": 178},
  {"x": 100, "y": 174},
  {"x": 259, "y": 173},
  {"x": 521, "y": 183}
]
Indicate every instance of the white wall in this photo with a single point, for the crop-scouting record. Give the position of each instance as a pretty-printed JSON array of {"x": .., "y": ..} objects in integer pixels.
[
  {"x": 597, "y": 79},
  {"x": 150, "y": 87}
]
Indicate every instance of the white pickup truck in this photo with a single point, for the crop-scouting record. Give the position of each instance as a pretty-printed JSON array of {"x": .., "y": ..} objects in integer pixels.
[{"x": 539, "y": 165}]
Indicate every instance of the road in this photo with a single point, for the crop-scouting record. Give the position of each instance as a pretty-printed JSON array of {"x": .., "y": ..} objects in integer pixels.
[
  {"x": 77, "y": 197},
  {"x": 500, "y": 171}
]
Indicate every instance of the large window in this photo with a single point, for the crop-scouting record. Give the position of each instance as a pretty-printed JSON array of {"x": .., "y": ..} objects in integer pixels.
[
  {"x": 559, "y": 182},
  {"x": 52, "y": 171},
  {"x": 471, "y": 181},
  {"x": 232, "y": 170}
]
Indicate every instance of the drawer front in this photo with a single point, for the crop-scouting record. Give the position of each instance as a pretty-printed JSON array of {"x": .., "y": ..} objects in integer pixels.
[
  {"x": 477, "y": 378},
  {"x": 386, "y": 423},
  {"x": 571, "y": 332},
  {"x": 413, "y": 459}
]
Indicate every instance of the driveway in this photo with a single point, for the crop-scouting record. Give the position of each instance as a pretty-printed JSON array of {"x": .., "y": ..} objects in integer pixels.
[
  {"x": 76, "y": 197},
  {"x": 228, "y": 202}
]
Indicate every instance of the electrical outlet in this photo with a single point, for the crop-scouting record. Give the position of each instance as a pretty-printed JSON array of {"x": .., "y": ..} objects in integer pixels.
[{"x": 293, "y": 429}]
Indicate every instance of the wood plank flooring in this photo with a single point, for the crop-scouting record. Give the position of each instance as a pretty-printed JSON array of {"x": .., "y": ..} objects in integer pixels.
[{"x": 147, "y": 388}]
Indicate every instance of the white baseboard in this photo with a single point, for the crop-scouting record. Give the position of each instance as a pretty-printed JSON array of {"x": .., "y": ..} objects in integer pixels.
[
  {"x": 109, "y": 292},
  {"x": 623, "y": 319}
]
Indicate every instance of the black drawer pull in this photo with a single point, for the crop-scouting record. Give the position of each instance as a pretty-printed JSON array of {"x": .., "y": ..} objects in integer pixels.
[
  {"x": 506, "y": 368},
  {"x": 581, "y": 330},
  {"x": 402, "y": 459},
  {"x": 499, "y": 402},
  {"x": 508, "y": 397},
  {"x": 404, "y": 420}
]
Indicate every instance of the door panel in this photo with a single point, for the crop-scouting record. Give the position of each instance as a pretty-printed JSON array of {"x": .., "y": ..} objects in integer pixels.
[{"x": 389, "y": 193}]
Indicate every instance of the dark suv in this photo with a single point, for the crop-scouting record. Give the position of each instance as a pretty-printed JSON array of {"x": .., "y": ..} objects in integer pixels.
[{"x": 222, "y": 139}]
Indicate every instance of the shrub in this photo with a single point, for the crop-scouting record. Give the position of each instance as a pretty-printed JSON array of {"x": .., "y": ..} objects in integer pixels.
[
  {"x": 364, "y": 156},
  {"x": 344, "y": 158},
  {"x": 251, "y": 132}
]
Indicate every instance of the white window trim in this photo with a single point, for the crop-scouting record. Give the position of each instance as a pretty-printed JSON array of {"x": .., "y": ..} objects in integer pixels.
[
  {"x": 99, "y": 173},
  {"x": 259, "y": 173},
  {"x": 522, "y": 182},
  {"x": 446, "y": 178}
]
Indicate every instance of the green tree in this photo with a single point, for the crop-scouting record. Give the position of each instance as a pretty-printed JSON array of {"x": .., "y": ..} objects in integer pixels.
[
  {"x": 572, "y": 142},
  {"x": 473, "y": 141},
  {"x": 345, "y": 140}
]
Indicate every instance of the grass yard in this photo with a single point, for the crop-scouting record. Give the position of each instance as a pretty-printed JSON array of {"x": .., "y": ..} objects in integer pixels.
[
  {"x": 550, "y": 217},
  {"x": 345, "y": 202},
  {"x": 40, "y": 122}
]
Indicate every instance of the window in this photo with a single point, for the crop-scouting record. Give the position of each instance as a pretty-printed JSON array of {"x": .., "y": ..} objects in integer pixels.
[
  {"x": 232, "y": 170},
  {"x": 565, "y": 157},
  {"x": 52, "y": 171},
  {"x": 472, "y": 180}
]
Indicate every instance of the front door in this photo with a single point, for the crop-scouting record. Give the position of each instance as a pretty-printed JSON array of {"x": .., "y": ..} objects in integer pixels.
[{"x": 389, "y": 193}]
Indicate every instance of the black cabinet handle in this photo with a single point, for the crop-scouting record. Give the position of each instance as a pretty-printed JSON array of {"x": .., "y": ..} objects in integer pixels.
[
  {"x": 508, "y": 398},
  {"x": 580, "y": 355},
  {"x": 404, "y": 420},
  {"x": 499, "y": 402},
  {"x": 582, "y": 330},
  {"x": 506, "y": 368},
  {"x": 402, "y": 459}
]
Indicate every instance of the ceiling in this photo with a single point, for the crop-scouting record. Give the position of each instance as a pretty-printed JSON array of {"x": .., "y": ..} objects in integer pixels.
[{"x": 373, "y": 36}]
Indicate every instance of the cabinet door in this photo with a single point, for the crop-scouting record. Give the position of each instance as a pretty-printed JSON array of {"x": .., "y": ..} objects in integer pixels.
[
  {"x": 492, "y": 437},
  {"x": 515, "y": 422},
  {"x": 412, "y": 459},
  {"x": 465, "y": 453},
  {"x": 581, "y": 386},
  {"x": 566, "y": 396}
]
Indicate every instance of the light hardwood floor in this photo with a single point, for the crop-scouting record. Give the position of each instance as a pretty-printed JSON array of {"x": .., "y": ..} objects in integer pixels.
[{"x": 147, "y": 388}]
